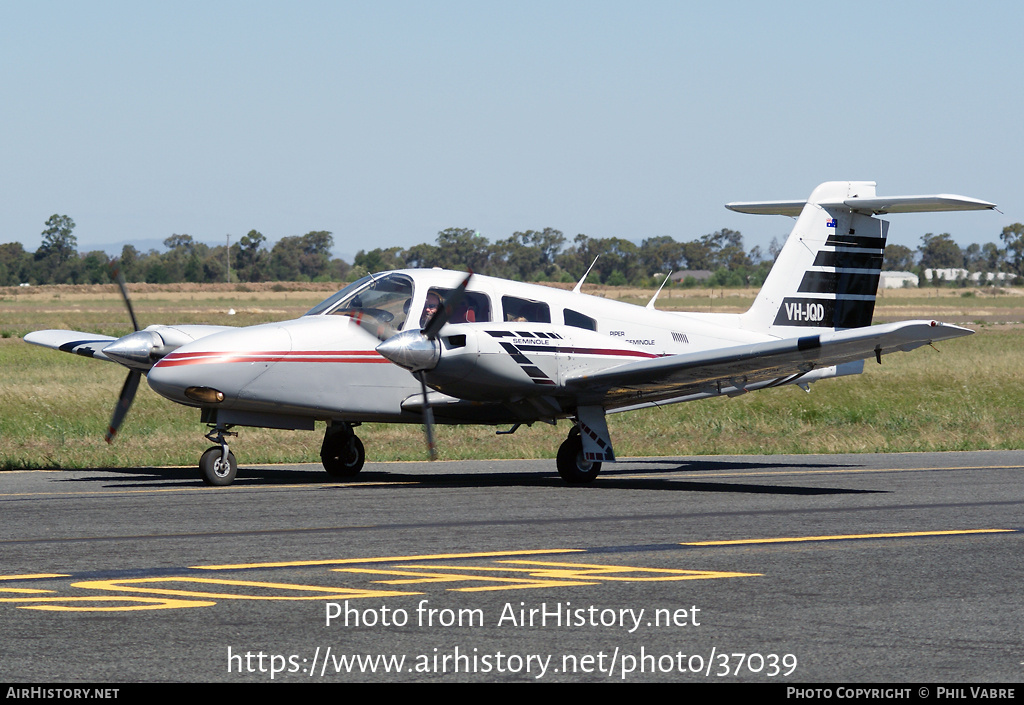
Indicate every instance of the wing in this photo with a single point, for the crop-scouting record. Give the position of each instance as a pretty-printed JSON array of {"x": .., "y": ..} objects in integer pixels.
[
  {"x": 139, "y": 349},
  {"x": 736, "y": 369},
  {"x": 72, "y": 341}
]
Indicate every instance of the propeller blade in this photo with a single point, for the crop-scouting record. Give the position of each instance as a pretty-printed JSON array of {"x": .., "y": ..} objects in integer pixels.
[
  {"x": 115, "y": 266},
  {"x": 124, "y": 402},
  {"x": 442, "y": 315},
  {"x": 418, "y": 350},
  {"x": 428, "y": 418}
]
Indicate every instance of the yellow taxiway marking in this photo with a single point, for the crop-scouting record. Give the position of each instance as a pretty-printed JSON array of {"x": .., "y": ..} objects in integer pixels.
[
  {"x": 33, "y": 576},
  {"x": 53, "y": 604},
  {"x": 319, "y": 592},
  {"x": 542, "y": 574},
  {"x": 386, "y": 559},
  {"x": 846, "y": 537},
  {"x": 419, "y": 577}
]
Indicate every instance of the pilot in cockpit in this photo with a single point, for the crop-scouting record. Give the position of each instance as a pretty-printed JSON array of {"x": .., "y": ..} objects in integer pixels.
[{"x": 431, "y": 306}]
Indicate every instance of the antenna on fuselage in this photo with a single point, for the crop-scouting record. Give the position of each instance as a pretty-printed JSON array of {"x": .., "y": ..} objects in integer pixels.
[
  {"x": 650, "y": 304},
  {"x": 576, "y": 289}
]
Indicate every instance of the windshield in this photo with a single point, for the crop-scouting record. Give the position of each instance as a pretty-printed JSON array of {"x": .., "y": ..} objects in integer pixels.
[
  {"x": 386, "y": 298},
  {"x": 335, "y": 298}
]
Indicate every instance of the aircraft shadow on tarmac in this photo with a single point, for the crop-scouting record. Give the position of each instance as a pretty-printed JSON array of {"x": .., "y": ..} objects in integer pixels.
[{"x": 613, "y": 478}]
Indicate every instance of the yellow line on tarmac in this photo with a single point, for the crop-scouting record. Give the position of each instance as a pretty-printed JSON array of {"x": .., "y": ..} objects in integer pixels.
[
  {"x": 847, "y": 537},
  {"x": 33, "y": 576},
  {"x": 386, "y": 559}
]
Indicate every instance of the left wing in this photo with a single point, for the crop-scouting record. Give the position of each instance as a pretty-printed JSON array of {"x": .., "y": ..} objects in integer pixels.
[
  {"x": 72, "y": 341},
  {"x": 755, "y": 366}
]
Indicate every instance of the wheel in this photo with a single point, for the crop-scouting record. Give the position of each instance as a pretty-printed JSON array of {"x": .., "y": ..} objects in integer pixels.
[
  {"x": 342, "y": 455},
  {"x": 213, "y": 469},
  {"x": 572, "y": 466}
]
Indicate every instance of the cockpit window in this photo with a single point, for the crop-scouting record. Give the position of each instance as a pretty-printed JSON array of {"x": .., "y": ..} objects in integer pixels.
[
  {"x": 386, "y": 298},
  {"x": 335, "y": 298}
]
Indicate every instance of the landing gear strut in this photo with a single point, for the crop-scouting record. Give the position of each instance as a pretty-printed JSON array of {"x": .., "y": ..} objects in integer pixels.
[
  {"x": 342, "y": 452},
  {"x": 572, "y": 466},
  {"x": 218, "y": 466}
]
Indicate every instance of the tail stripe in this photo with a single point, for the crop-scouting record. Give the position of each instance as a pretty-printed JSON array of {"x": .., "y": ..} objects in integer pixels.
[
  {"x": 840, "y": 283},
  {"x": 868, "y": 243},
  {"x": 844, "y": 259}
]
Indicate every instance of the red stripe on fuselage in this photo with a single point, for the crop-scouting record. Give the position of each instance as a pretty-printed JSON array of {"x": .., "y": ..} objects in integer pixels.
[{"x": 216, "y": 356}]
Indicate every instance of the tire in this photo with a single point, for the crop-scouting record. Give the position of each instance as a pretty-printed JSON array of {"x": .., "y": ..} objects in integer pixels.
[
  {"x": 213, "y": 470},
  {"x": 342, "y": 455},
  {"x": 573, "y": 468}
]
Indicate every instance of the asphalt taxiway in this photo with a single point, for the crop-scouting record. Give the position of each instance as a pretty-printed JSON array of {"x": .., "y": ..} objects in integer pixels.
[{"x": 854, "y": 568}]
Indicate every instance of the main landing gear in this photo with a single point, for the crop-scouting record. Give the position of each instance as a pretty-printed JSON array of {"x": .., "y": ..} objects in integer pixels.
[
  {"x": 572, "y": 466},
  {"x": 342, "y": 454}
]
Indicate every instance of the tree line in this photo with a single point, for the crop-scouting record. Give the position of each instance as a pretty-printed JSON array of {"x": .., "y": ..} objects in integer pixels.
[{"x": 531, "y": 255}]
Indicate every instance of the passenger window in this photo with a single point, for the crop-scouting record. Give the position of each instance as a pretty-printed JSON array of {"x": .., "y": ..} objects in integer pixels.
[
  {"x": 474, "y": 307},
  {"x": 525, "y": 310},
  {"x": 578, "y": 320}
]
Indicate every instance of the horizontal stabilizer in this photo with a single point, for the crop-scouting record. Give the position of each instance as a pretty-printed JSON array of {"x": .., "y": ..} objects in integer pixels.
[
  {"x": 791, "y": 208},
  {"x": 874, "y": 206}
]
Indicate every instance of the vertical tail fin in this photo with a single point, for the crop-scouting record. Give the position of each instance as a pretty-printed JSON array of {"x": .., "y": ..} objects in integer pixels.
[{"x": 826, "y": 276}]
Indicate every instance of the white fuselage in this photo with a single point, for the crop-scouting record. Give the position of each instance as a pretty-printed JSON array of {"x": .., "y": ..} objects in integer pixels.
[{"x": 324, "y": 365}]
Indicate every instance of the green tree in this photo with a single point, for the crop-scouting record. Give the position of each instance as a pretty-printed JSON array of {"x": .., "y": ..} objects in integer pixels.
[
  {"x": 661, "y": 254},
  {"x": 898, "y": 258},
  {"x": 463, "y": 248},
  {"x": 1013, "y": 237},
  {"x": 130, "y": 263},
  {"x": 993, "y": 258},
  {"x": 59, "y": 243},
  {"x": 940, "y": 252},
  {"x": 379, "y": 260},
  {"x": 284, "y": 259},
  {"x": 250, "y": 257},
  {"x": 315, "y": 258},
  {"x": 16, "y": 263}
]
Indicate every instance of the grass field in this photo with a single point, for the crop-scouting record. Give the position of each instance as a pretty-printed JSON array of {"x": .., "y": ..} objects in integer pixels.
[{"x": 968, "y": 396}]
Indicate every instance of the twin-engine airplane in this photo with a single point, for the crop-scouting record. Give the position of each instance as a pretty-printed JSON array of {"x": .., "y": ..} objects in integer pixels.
[{"x": 426, "y": 346}]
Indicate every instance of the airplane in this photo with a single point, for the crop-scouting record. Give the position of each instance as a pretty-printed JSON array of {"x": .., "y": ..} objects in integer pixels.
[{"x": 435, "y": 346}]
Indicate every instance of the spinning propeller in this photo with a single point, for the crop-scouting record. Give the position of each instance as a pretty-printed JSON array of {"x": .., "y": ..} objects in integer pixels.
[
  {"x": 419, "y": 352},
  {"x": 136, "y": 351}
]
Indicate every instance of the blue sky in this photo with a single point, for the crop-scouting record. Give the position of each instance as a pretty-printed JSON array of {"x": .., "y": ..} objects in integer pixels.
[{"x": 385, "y": 122}]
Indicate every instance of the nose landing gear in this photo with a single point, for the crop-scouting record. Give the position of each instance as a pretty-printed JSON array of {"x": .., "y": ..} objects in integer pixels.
[{"x": 218, "y": 466}]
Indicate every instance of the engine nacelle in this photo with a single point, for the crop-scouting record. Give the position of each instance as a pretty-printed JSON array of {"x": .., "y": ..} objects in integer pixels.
[{"x": 484, "y": 362}]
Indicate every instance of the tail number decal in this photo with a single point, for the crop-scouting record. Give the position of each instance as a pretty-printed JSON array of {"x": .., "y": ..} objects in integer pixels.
[
  {"x": 825, "y": 313},
  {"x": 806, "y": 312}
]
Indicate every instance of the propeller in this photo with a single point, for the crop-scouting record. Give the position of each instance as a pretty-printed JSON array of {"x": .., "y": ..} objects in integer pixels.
[
  {"x": 419, "y": 352},
  {"x": 126, "y": 351}
]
